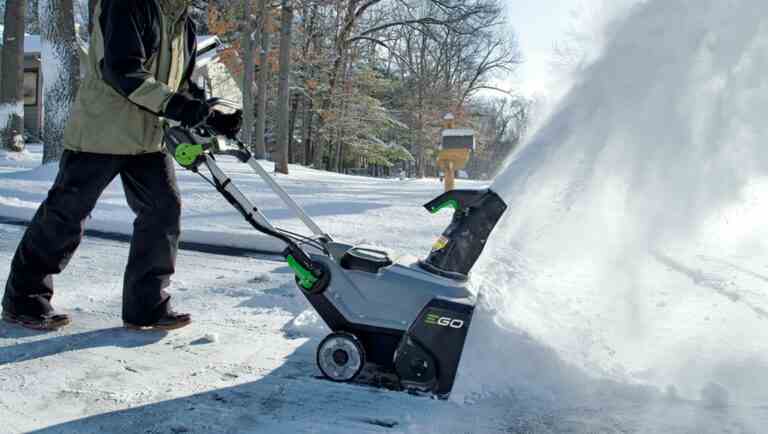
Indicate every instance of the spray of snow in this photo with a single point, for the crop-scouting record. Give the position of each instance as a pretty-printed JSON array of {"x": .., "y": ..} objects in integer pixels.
[
  {"x": 634, "y": 247},
  {"x": 592, "y": 25}
]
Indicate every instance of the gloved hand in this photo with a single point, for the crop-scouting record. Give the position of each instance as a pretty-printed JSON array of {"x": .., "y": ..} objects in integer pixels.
[
  {"x": 188, "y": 111},
  {"x": 226, "y": 124}
]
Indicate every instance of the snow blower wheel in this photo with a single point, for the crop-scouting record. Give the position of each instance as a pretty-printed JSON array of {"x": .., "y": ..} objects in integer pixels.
[{"x": 340, "y": 357}]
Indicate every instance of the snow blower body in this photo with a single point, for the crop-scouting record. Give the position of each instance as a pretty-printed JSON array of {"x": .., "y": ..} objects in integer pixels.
[{"x": 406, "y": 320}]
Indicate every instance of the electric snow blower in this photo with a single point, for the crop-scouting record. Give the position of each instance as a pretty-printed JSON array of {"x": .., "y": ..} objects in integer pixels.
[{"x": 406, "y": 321}]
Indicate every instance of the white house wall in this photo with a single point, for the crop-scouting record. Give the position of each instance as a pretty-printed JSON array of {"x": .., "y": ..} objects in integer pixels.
[{"x": 219, "y": 82}]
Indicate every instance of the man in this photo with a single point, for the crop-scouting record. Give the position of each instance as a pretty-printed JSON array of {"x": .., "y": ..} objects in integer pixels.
[{"x": 142, "y": 54}]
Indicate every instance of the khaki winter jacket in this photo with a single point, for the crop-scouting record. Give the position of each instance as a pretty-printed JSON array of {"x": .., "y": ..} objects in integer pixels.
[{"x": 141, "y": 57}]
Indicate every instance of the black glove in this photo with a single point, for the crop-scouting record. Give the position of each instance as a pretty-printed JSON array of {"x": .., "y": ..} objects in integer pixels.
[
  {"x": 195, "y": 92},
  {"x": 226, "y": 124},
  {"x": 189, "y": 111}
]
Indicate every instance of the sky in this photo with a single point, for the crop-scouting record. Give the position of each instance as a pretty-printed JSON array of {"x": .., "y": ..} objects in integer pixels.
[{"x": 539, "y": 24}]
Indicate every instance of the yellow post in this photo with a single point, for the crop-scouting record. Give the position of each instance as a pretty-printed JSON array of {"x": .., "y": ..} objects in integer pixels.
[
  {"x": 450, "y": 180},
  {"x": 454, "y": 158}
]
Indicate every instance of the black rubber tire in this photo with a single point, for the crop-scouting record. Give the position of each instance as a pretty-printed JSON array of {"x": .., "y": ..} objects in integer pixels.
[{"x": 358, "y": 346}]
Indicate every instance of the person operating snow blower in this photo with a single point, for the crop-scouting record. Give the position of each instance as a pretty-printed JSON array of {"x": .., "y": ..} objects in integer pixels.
[{"x": 141, "y": 58}]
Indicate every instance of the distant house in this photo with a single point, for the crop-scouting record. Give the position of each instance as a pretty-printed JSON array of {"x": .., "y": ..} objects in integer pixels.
[
  {"x": 209, "y": 73},
  {"x": 213, "y": 75},
  {"x": 32, "y": 83}
]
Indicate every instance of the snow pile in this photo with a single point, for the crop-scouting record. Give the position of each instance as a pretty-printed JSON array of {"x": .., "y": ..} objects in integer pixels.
[
  {"x": 634, "y": 248},
  {"x": 8, "y": 110},
  {"x": 11, "y": 161},
  {"x": 307, "y": 323}
]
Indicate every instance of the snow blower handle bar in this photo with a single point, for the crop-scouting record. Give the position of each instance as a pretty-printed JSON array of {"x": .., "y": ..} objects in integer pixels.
[
  {"x": 190, "y": 146},
  {"x": 311, "y": 276},
  {"x": 198, "y": 146}
]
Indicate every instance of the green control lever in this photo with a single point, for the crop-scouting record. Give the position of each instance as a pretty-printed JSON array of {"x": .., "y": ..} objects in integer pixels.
[{"x": 459, "y": 200}]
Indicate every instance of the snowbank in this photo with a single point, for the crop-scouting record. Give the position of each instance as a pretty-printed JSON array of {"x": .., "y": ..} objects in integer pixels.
[{"x": 8, "y": 110}]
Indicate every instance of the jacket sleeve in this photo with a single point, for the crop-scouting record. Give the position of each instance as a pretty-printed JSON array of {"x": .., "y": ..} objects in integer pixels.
[
  {"x": 190, "y": 87},
  {"x": 123, "y": 23}
]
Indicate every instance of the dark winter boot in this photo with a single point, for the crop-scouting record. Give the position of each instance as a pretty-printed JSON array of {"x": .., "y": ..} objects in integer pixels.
[
  {"x": 169, "y": 321},
  {"x": 47, "y": 322}
]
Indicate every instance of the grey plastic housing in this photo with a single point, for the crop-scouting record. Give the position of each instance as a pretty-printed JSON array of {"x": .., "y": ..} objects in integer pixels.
[{"x": 389, "y": 299}]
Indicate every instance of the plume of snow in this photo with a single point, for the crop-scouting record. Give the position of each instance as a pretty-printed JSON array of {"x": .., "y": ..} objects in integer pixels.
[{"x": 634, "y": 245}]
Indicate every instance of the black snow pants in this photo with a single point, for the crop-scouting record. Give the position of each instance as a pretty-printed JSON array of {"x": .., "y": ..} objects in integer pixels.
[{"x": 56, "y": 230}]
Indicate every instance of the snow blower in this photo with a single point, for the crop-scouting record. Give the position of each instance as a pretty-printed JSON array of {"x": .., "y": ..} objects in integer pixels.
[{"x": 406, "y": 321}]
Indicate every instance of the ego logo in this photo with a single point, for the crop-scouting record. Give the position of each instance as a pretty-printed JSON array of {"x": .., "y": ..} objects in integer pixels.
[{"x": 443, "y": 321}]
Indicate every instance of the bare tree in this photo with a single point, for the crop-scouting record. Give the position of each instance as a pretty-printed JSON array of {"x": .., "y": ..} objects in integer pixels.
[
  {"x": 281, "y": 151},
  {"x": 12, "y": 91},
  {"x": 62, "y": 63},
  {"x": 248, "y": 65},
  {"x": 370, "y": 73},
  {"x": 502, "y": 124},
  {"x": 260, "y": 148}
]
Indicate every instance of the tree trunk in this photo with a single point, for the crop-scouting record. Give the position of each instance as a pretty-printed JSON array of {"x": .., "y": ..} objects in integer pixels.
[
  {"x": 306, "y": 132},
  {"x": 260, "y": 150},
  {"x": 248, "y": 67},
  {"x": 62, "y": 63},
  {"x": 283, "y": 96},
  {"x": 293, "y": 152},
  {"x": 319, "y": 153},
  {"x": 420, "y": 154},
  {"x": 340, "y": 158},
  {"x": 12, "y": 91}
]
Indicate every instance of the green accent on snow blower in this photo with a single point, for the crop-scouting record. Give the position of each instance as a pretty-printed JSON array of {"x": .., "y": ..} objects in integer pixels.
[
  {"x": 187, "y": 153},
  {"x": 306, "y": 279},
  {"x": 453, "y": 203}
]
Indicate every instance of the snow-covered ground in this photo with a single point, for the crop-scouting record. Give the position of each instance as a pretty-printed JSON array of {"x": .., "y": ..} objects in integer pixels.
[{"x": 247, "y": 363}]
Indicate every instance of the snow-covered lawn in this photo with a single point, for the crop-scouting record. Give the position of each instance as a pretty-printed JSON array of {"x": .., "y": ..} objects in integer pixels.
[{"x": 381, "y": 212}]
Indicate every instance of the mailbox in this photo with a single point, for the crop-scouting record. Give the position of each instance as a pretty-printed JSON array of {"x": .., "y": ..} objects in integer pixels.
[
  {"x": 459, "y": 139},
  {"x": 454, "y": 155}
]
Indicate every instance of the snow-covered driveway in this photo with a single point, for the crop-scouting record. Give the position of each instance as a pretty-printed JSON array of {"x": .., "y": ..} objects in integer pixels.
[{"x": 258, "y": 376}]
